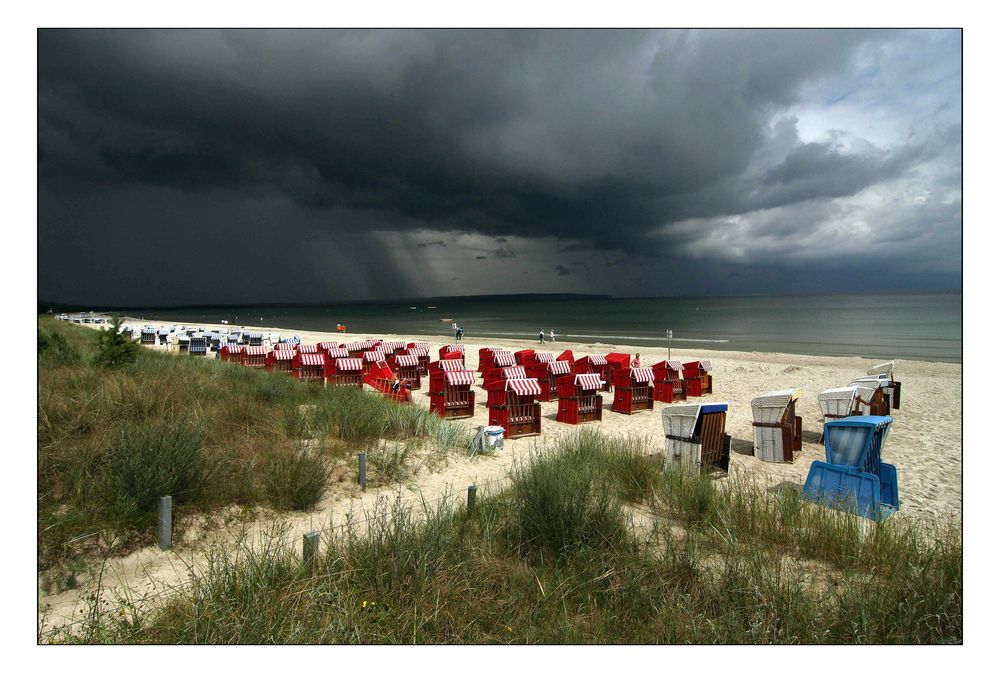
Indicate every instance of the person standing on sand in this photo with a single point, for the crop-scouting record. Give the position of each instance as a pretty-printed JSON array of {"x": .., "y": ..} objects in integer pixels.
[
  {"x": 461, "y": 333},
  {"x": 552, "y": 335},
  {"x": 541, "y": 336},
  {"x": 635, "y": 361}
]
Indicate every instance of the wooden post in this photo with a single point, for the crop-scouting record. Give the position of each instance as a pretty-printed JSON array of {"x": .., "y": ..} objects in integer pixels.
[
  {"x": 310, "y": 548},
  {"x": 166, "y": 522},
  {"x": 362, "y": 476},
  {"x": 472, "y": 498}
]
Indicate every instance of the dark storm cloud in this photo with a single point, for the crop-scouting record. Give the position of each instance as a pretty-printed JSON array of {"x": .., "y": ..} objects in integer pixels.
[{"x": 599, "y": 140}]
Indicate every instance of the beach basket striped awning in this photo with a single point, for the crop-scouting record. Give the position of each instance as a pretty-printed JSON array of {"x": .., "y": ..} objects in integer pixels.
[
  {"x": 560, "y": 367},
  {"x": 308, "y": 348},
  {"x": 284, "y": 346},
  {"x": 769, "y": 407},
  {"x": 326, "y": 345},
  {"x": 349, "y": 364},
  {"x": 459, "y": 378},
  {"x": 407, "y": 360},
  {"x": 419, "y": 344},
  {"x": 255, "y": 350},
  {"x": 335, "y": 353},
  {"x": 367, "y": 356},
  {"x": 884, "y": 368},
  {"x": 588, "y": 381},
  {"x": 706, "y": 365},
  {"x": 371, "y": 343},
  {"x": 870, "y": 382},
  {"x": 597, "y": 359},
  {"x": 284, "y": 354},
  {"x": 643, "y": 374},
  {"x": 357, "y": 346},
  {"x": 524, "y": 386},
  {"x": 503, "y": 358},
  {"x": 148, "y": 330},
  {"x": 394, "y": 345},
  {"x": 450, "y": 365},
  {"x": 419, "y": 351},
  {"x": 311, "y": 359},
  {"x": 680, "y": 420},
  {"x": 455, "y": 348},
  {"x": 515, "y": 372},
  {"x": 545, "y": 357},
  {"x": 676, "y": 365}
]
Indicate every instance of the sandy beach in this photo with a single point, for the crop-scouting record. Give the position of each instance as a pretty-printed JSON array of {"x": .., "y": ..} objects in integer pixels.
[{"x": 925, "y": 443}]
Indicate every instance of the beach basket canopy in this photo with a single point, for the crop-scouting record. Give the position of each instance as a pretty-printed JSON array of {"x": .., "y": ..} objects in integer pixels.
[
  {"x": 884, "y": 368},
  {"x": 769, "y": 407},
  {"x": 588, "y": 381},
  {"x": 459, "y": 378}
]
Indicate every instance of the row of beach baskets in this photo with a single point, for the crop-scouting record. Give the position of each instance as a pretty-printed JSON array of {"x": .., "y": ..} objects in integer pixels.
[{"x": 856, "y": 416}]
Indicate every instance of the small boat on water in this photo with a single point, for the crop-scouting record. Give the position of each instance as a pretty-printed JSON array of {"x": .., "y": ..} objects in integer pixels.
[
  {"x": 432, "y": 307},
  {"x": 444, "y": 320}
]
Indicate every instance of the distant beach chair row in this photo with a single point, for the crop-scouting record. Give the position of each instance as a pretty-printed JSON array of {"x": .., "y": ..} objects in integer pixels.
[{"x": 89, "y": 318}]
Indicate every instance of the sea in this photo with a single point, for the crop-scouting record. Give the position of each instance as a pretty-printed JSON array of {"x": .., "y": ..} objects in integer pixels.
[{"x": 906, "y": 326}]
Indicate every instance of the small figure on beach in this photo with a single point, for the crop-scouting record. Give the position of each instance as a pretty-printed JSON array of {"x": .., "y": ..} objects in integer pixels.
[
  {"x": 541, "y": 336},
  {"x": 552, "y": 335},
  {"x": 461, "y": 333},
  {"x": 396, "y": 383},
  {"x": 635, "y": 361}
]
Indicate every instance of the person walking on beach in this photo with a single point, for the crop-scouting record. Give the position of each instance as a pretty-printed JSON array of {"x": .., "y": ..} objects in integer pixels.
[
  {"x": 461, "y": 333},
  {"x": 552, "y": 335},
  {"x": 635, "y": 361},
  {"x": 541, "y": 336}
]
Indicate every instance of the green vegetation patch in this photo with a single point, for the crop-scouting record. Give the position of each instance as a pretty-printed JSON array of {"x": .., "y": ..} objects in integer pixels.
[{"x": 586, "y": 546}]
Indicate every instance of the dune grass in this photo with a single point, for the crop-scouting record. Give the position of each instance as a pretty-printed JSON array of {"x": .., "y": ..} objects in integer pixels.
[
  {"x": 210, "y": 433},
  {"x": 560, "y": 557}
]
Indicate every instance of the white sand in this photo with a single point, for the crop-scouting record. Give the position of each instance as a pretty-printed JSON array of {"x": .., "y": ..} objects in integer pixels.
[{"x": 925, "y": 443}]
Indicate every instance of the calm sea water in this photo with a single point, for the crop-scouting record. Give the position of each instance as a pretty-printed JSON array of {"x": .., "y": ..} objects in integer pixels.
[{"x": 907, "y": 326}]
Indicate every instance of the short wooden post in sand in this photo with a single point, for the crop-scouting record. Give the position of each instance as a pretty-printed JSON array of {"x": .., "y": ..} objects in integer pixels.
[
  {"x": 165, "y": 523},
  {"x": 310, "y": 548},
  {"x": 362, "y": 470},
  {"x": 472, "y": 498}
]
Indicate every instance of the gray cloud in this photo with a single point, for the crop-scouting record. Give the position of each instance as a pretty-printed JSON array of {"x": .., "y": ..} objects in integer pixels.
[{"x": 738, "y": 146}]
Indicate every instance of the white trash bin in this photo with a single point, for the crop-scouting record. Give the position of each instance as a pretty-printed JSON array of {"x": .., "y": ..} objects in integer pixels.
[{"x": 494, "y": 436}]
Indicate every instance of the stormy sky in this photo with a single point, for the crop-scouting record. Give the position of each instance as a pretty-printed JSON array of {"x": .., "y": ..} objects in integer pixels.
[{"x": 241, "y": 166}]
